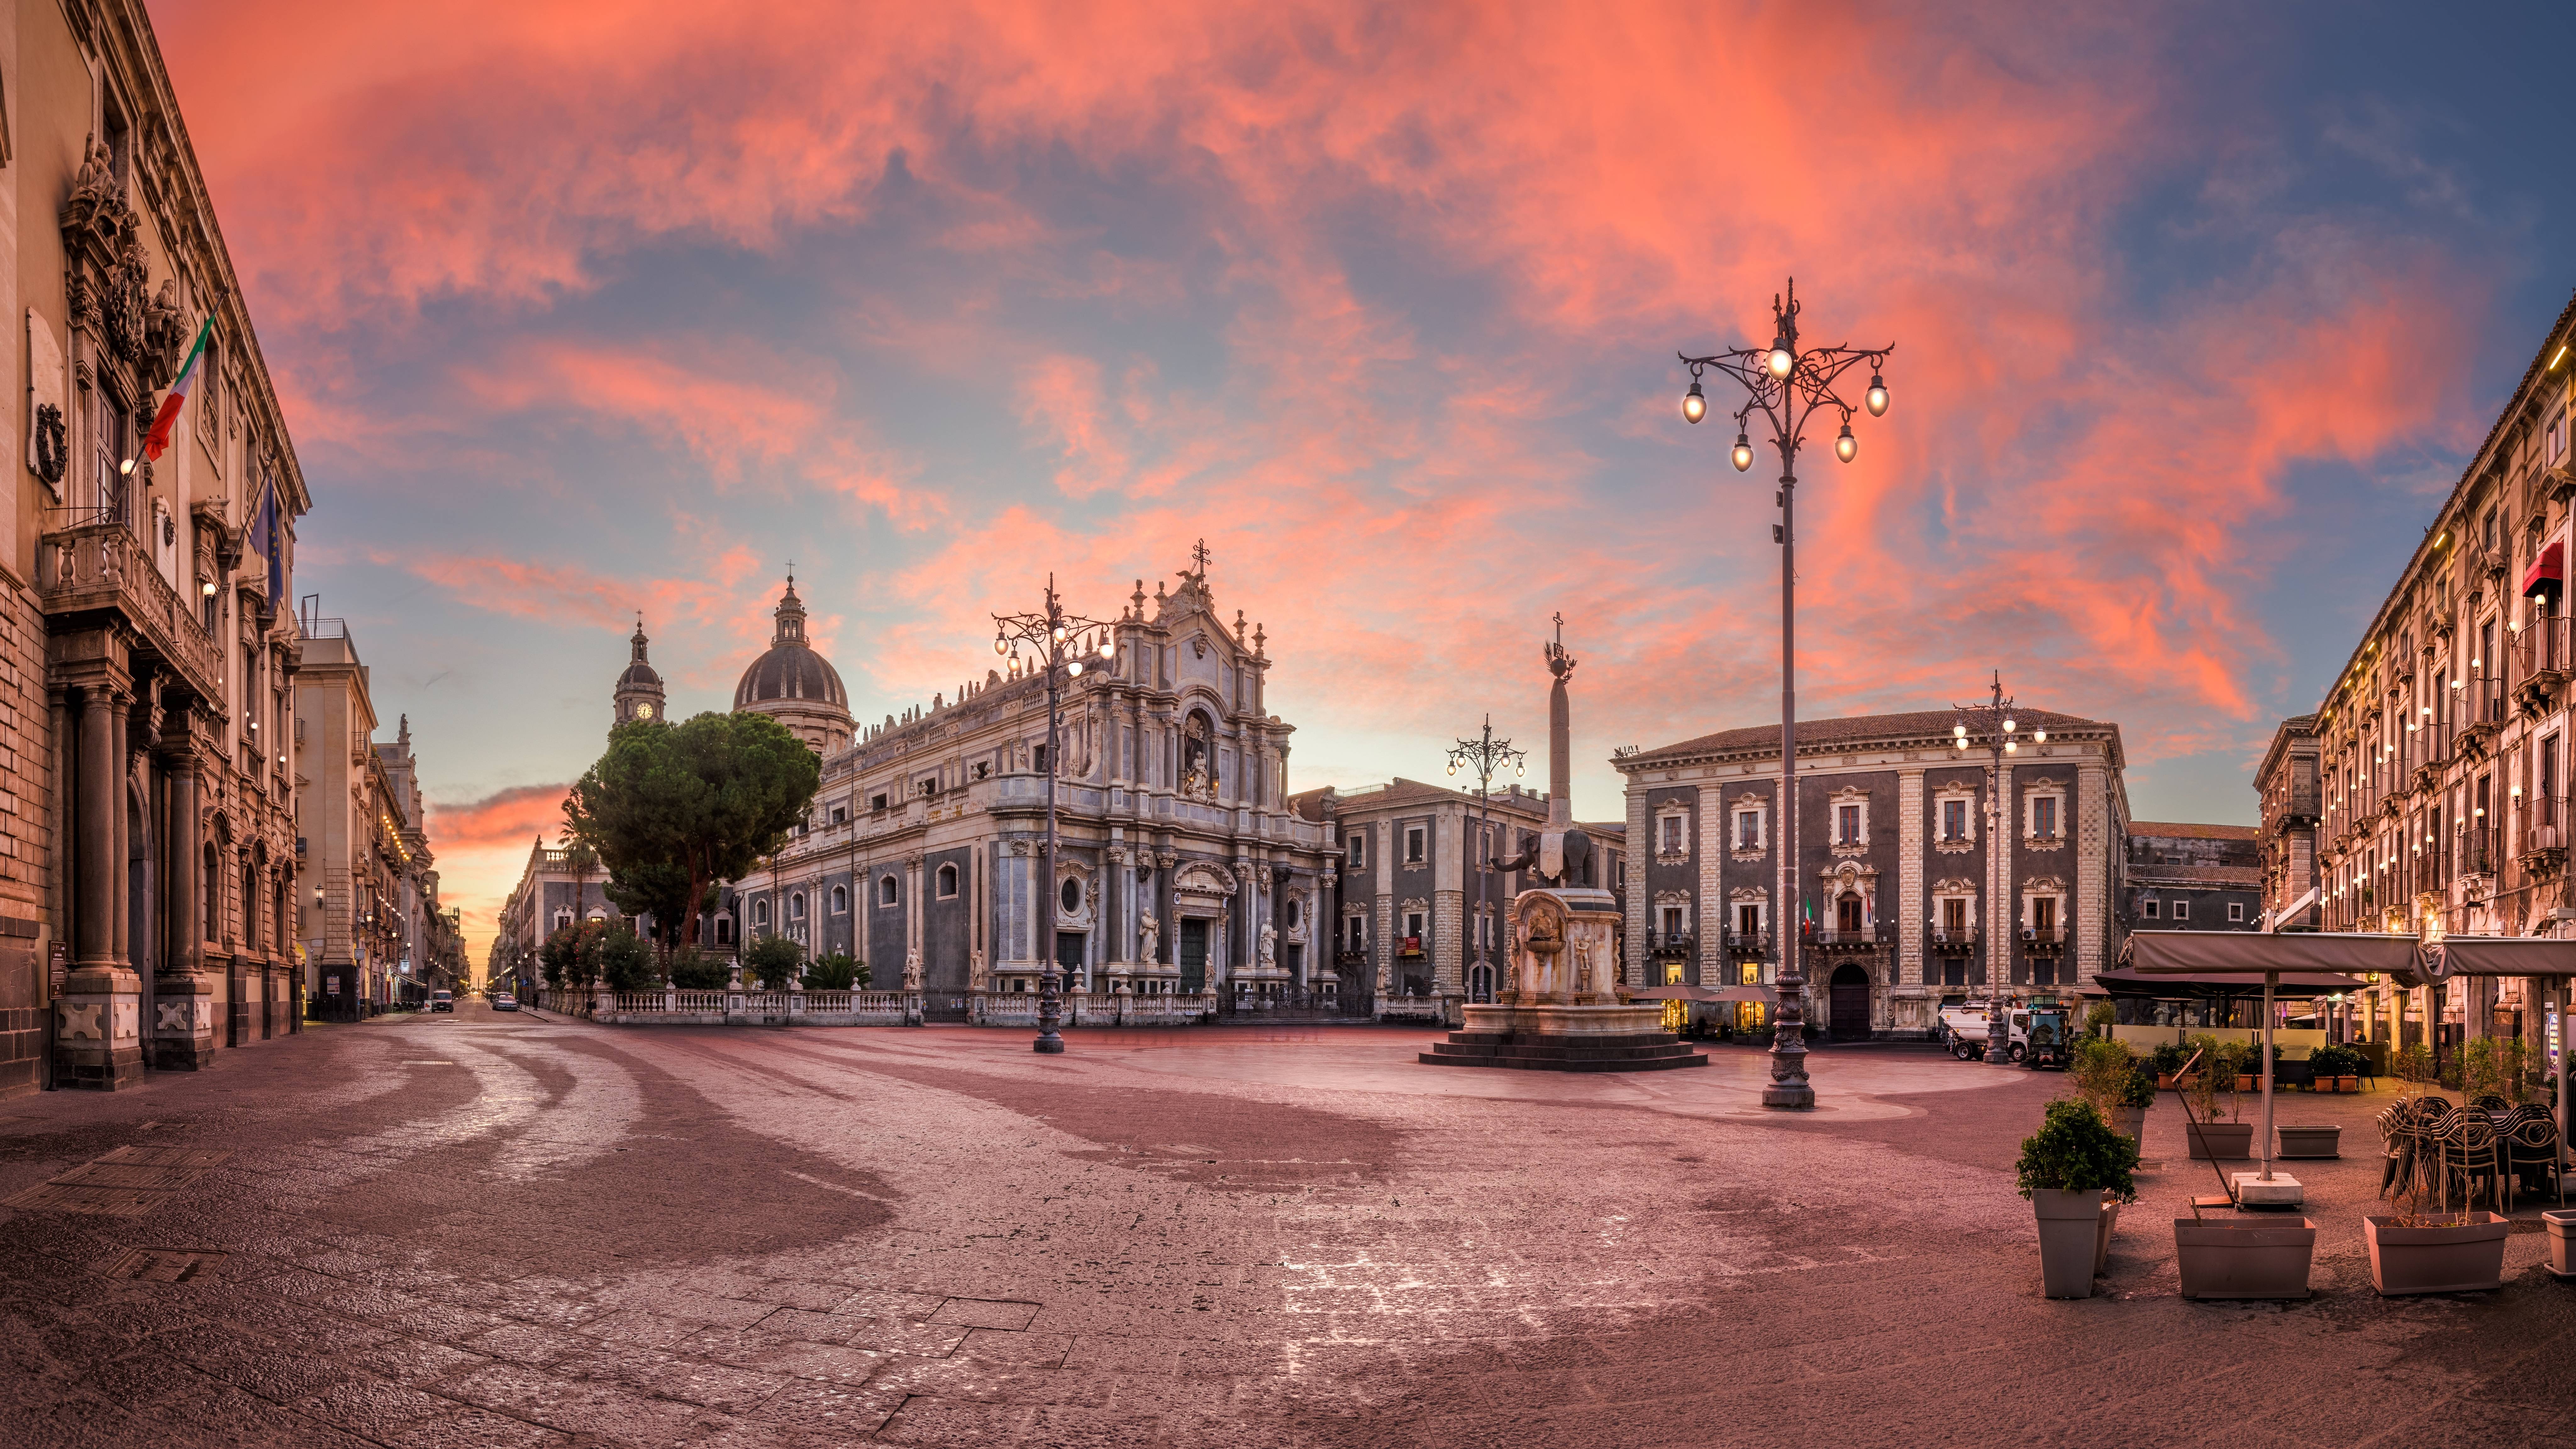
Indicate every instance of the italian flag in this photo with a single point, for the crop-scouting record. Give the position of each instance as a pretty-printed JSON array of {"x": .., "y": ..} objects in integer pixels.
[{"x": 157, "y": 442}]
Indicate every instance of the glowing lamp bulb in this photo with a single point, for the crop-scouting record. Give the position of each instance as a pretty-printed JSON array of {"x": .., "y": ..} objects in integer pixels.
[
  {"x": 2009, "y": 726},
  {"x": 1846, "y": 447},
  {"x": 1074, "y": 669},
  {"x": 2011, "y": 746},
  {"x": 2040, "y": 735},
  {"x": 1694, "y": 402},
  {"x": 126, "y": 467},
  {"x": 1780, "y": 360},
  {"x": 1743, "y": 454},
  {"x": 1059, "y": 633},
  {"x": 999, "y": 646},
  {"x": 1876, "y": 399}
]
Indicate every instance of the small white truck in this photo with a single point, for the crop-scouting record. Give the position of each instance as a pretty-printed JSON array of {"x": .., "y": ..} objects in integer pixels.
[{"x": 1964, "y": 1032}]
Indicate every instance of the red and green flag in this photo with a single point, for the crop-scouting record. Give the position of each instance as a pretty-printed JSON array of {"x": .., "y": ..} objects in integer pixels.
[{"x": 156, "y": 442}]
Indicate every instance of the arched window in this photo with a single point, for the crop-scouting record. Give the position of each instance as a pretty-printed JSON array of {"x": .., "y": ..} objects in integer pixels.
[
  {"x": 948, "y": 882},
  {"x": 887, "y": 890},
  {"x": 250, "y": 905},
  {"x": 840, "y": 900},
  {"x": 760, "y": 912},
  {"x": 213, "y": 882},
  {"x": 796, "y": 906}
]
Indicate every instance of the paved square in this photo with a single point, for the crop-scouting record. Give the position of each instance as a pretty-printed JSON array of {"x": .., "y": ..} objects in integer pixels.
[{"x": 486, "y": 1229}]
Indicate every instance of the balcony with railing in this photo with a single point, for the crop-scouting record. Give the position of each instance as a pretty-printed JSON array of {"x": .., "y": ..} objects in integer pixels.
[
  {"x": 2044, "y": 940},
  {"x": 2544, "y": 833},
  {"x": 2542, "y": 659},
  {"x": 1671, "y": 945},
  {"x": 1748, "y": 945},
  {"x": 1951, "y": 941},
  {"x": 99, "y": 565},
  {"x": 2478, "y": 851},
  {"x": 1863, "y": 938}
]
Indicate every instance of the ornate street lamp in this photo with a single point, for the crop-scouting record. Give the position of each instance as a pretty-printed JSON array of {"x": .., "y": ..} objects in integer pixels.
[
  {"x": 1065, "y": 645},
  {"x": 1788, "y": 387},
  {"x": 1484, "y": 758},
  {"x": 1992, "y": 726}
]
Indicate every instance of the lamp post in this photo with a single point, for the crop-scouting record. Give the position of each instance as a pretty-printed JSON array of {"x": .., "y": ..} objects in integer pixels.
[
  {"x": 1484, "y": 757},
  {"x": 1788, "y": 387},
  {"x": 1992, "y": 726},
  {"x": 1065, "y": 644}
]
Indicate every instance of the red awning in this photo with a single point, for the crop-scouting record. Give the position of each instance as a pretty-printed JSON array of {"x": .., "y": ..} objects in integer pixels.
[{"x": 2547, "y": 573}]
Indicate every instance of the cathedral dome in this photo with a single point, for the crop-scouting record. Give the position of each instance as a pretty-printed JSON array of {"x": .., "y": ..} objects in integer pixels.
[{"x": 791, "y": 671}]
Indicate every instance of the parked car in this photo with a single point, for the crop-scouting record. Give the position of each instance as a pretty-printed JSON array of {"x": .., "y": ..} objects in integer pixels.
[
  {"x": 504, "y": 1001},
  {"x": 442, "y": 1001}
]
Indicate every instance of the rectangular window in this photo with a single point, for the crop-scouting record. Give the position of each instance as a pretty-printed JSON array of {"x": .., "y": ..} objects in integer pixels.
[
  {"x": 1954, "y": 918},
  {"x": 1748, "y": 920},
  {"x": 840, "y": 814},
  {"x": 1748, "y": 829},
  {"x": 1359, "y": 852},
  {"x": 1413, "y": 844},
  {"x": 2148, "y": 909},
  {"x": 1954, "y": 820},
  {"x": 2043, "y": 817},
  {"x": 1672, "y": 835},
  {"x": 2236, "y": 911},
  {"x": 877, "y": 802},
  {"x": 1672, "y": 921},
  {"x": 1847, "y": 825},
  {"x": 1038, "y": 758},
  {"x": 926, "y": 786},
  {"x": 2043, "y": 915},
  {"x": 1413, "y": 931},
  {"x": 2555, "y": 447},
  {"x": 2182, "y": 910}
]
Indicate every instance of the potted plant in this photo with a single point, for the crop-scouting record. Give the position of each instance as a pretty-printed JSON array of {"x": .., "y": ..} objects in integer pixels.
[
  {"x": 2166, "y": 1062},
  {"x": 2335, "y": 1069},
  {"x": 2561, "y": 1223},
  {"x": 2106, "y": 1075},
  {"x": 2073, "y": 1170},
  {"x": 2212, "y": 1140},
  {"x": 2441, "y": 1251}
]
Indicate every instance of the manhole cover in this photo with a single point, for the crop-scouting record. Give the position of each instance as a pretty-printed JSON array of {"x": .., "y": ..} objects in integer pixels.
[
  {"x": 157, "y": 1265},
  {"x": 167, "y": 1156},
  {"x": 114, "y": 1202},
  {"x": 129, "y": 1174}
]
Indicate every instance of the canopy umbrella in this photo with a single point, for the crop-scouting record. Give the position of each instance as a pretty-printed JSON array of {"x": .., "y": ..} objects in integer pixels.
[
  {"x": 2270, "y": 955},
  {"x": 2216, "y": 985}
]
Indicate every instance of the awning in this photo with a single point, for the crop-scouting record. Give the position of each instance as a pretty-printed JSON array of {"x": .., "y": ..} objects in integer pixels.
[
  {"x": 2547, "y": 572},
  {"x": 2490, "y": 956},
  {"x": 2219, "y": 985},
  {"x": 1700, "y": 993},
  {"x": 2243, "y": 953}
]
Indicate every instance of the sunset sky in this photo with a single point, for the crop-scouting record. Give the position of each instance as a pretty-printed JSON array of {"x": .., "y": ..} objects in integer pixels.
[{"x": 580, "y": 309}]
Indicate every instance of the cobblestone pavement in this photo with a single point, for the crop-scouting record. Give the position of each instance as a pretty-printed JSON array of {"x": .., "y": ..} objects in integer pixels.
[{"x": 481, "y": 1229}]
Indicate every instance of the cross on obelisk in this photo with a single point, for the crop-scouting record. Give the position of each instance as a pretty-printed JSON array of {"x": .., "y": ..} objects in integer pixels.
[{"x": 1199, "y": 555}]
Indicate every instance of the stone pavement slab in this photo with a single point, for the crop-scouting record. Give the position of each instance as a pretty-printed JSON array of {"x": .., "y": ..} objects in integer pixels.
[{"x": 470, "y": 1230}]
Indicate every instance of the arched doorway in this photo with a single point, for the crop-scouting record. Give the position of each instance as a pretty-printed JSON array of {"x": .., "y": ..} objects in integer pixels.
[{"x": 1850, "y": 1003}]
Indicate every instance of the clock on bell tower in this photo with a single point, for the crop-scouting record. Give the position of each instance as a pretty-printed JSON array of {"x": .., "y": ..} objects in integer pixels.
[{"x": 639, "y": 689}]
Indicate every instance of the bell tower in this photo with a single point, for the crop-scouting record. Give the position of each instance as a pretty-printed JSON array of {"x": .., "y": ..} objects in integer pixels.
[{"x": 639, "y": 689}]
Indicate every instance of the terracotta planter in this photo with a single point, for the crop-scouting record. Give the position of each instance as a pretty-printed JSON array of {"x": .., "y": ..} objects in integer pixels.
[
  {"x": 2070, "y": 1236},
  {"x": 2466, "y": 1259},
  {"x": 2562, "y": 1241},
  {"x": 2246, "y": 1083},
  {"x": 2347, "y": 1084},
  {"x": 2311, "y": 1141},
  {"x": 2164, "y": 1081},
  {"x": 2227, "y": 1259},
  {"x": 2110, "y": 1225},
  {"x": 2221, "y": 1141}
]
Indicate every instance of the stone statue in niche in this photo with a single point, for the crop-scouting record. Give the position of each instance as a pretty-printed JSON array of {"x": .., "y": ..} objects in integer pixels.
[
  {"x": 1198, "y": 763},
  {"x": 1149, "y": 936},
  {"x": 1269, "y": 946},
  {"x": 912, "y": 971}
]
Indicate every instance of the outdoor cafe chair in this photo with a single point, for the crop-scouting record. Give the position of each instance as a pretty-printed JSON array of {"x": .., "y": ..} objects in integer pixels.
[{"x": 2531, "y": 1147}]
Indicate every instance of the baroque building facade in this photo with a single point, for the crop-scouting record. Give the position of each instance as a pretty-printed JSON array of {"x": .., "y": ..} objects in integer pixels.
[
  {"x": 1904, "y": 900},
  {"x": 147, "y": 840},
  {"x": 1181, "y": 866},
  {"x": 2429, "y": 788},
  {"x": 2194, "y": 877}
]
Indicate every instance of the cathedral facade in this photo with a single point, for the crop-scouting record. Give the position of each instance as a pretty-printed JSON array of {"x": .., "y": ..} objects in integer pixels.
[{"x": 1180, "y": 865}]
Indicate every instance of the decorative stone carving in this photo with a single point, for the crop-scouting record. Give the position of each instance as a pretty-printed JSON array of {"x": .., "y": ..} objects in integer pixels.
[
  {"x": 1203, "y": 878},
  {"x": 1268, "y": 947},
  {"x": 1149, "y": 936}
]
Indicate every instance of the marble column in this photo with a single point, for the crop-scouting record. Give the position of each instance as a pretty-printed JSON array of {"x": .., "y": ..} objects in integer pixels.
[
  {"x": 183, "y": 1012},
  {"x": 97, "y": 1018}
]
